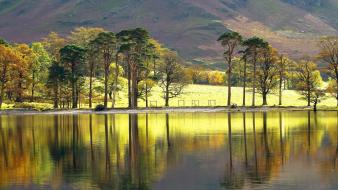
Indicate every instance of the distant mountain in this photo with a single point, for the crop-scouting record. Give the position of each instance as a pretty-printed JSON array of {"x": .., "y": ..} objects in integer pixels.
[{"x": 189, "y": 26}]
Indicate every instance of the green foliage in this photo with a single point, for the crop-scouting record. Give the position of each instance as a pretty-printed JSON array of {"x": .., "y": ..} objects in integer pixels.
[{"x": 73, "y": 60}]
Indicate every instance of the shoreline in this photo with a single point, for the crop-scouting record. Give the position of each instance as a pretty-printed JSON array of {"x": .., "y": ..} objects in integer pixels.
[{"x": 165, "y": 110}]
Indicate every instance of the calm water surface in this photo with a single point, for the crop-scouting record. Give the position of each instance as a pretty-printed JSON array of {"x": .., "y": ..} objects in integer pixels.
[{"x": 188, "y": 151}]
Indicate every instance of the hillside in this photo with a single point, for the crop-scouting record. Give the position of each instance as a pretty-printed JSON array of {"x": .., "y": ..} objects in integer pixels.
[{"x": 189, "y": 26}]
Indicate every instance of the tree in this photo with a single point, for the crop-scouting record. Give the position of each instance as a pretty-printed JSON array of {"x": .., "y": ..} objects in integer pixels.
[
  {"x": 3, "y": 42},
  {"x": 147, "y": 83},
  {"x": 39, "y": 67},
  {"x": 21, "y": 75},
  {"x": 82, "y": 36},
  {"x": 245, "y": 66},
  {"x": 72, "y": 58},
  {"x": 309, "y": 79},
  {"x": 230, "y": 41},
  {"x": 329, "y": 54},
  {"x": 53, "y": 43},
  {"x": 216, "y": 78},
  {"x": 317, "y": 95},
  {"x": 332, "y": 88},
  {"x": 134, "y": 44},
  {"x": 55, "y": 78},
  {"x": 8, "y": 60},
  {"x": 173, "y": 78},
  {"x": 92, "y": 59},
  {"x": 115, "y": 82},
  {"x": 254, "y": 46},
  {"x": 282, "y": 66},
  {"x": 106, "y": 43},
  {"x": 145, "y": 88},
  {"x": 267, "y": 72}
]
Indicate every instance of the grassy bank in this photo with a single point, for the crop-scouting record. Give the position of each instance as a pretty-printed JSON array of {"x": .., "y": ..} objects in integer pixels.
[{"x": 200, "y": 94}]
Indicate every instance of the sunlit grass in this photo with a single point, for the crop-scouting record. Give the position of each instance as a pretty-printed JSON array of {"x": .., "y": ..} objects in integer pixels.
[{"x": 200, "y": 94}]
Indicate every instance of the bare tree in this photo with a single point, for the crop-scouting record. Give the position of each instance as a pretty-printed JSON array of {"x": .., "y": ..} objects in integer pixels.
[
  {"x": 329, "y": 54},
  {"x": 309, "y": 79},
  {"x": 173, "y": 79},
  {"x": 267, "y": 73}
]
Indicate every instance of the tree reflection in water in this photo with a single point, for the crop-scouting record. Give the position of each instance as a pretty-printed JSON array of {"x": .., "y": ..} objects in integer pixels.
[{"x": 137, "y": 151}]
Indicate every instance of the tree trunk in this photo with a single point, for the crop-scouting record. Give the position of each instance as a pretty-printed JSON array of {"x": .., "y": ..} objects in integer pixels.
[
  {"x": 167, "y": 95},
  {"x": 315, "y": 106},
  {"x": 229, "y": 82},
  {"x": 33, "y": 86},
  {"x": 74, "y": 103},
  {"x": 308, "y": 97},
  {"x": 91, "y": 88},
  {"x": 19, "y": 96},
  {"x": 133, "y": 88},
  {"x": 280, "y": 87},
  {"x": 244, "y": 82},
  {"x": 337, "y": 87},
  {"x": 106, "y": 73},
  {"x": 3, "y": 81},
  {"x": 129, "y": 84},
  {"x": 2, "y": 93},
  {"x": 74, "y": 94},
  {"x": 254, "y": 83},
  {"x": 146, "y": 95},
  {"x": 264, "y": 99},
  {"x": 116, "y": 81},
  {"x": 56, "y": 98}
]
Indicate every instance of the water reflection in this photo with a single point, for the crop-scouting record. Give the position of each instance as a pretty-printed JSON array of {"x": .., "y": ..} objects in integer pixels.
[{"x": 170, "y": 151}]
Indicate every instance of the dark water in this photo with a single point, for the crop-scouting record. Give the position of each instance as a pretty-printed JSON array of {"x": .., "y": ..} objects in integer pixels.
[{"x": 189, "y": 151}]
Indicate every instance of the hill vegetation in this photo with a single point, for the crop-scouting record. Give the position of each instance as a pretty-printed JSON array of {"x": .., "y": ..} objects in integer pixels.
[{"x": 188, "y": 26}]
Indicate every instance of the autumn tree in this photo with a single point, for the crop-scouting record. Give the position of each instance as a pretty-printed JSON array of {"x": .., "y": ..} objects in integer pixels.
[
  {"x": 82, "y": 36},
  {"x": 72, "y": 58},
  {"x": 173, "y": 78},
  {"x": 329, "y": 54},
  {"x": 106, "y": 44},
  {"x": 230, "y": 41},
  {"x": 309, "y": 79},
  {"x": 21, "y": 75},
  {"x": 9, "y": 58},
  {"x": 253, "y": 47},
  {"x": 53, "y": 43},
  {"x": 216, "y": 78},
  {"x": 267, "y": 72}
]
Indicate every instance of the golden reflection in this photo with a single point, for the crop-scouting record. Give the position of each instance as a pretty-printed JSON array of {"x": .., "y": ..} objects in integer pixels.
[{"x": 137, "y": 150}]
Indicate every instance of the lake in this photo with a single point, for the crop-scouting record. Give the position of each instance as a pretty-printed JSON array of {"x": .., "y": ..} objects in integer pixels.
[{"x": 188, "y": 151}]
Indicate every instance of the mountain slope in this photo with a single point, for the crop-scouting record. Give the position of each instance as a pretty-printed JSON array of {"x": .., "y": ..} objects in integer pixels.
[{"x": 189, "y": 26}]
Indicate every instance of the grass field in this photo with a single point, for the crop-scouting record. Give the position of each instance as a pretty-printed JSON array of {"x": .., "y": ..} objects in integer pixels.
[
  {"x": 200, "y": 94},
  {"x": 218, "y": 94}
]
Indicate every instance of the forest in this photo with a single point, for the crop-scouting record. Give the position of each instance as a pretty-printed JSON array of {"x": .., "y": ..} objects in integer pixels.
[{"x": 90, "y": 66}]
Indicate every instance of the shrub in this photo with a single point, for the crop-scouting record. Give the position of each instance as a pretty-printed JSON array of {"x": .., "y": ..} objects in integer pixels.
[
  {"x": 32, "y": 106},
  {"x": 234, "y": 106},
  {"x": 100, "y": 107}
]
